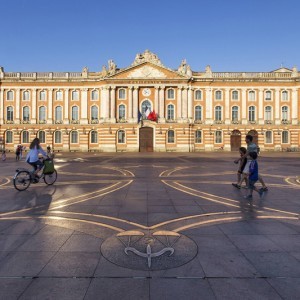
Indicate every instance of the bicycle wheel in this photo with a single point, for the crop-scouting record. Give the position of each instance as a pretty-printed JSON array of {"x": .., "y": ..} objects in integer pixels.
[
  {"x": 50, "y": 178},
  {"x": 22, "y": 180}
]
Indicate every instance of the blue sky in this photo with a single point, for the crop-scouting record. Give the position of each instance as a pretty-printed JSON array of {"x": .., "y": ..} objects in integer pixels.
[{"x": 229, "y": 35}]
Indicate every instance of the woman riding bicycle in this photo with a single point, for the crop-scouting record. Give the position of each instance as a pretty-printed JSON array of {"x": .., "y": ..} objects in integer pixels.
[{"x": 33, "y": 155}]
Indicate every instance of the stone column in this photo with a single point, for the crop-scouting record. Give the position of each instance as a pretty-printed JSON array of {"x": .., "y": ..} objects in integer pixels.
[
  {"x": 33, "y": 107},
  {"x": 179, "y": 103},
  {"x": 156, "y": 105},
  {"x": 227, "y": 107},
  {"x": 276, "y": 114},
  {"x": 104, "y": 103},
  {"x": 113, "y": 104},
  {"x": 50, "y": 105},
  {"x": 1, "y": 106},
  {"x": 84, "y": 107},
  {"x": 244, "y": 106},
  {"x": 129, "y": 117},
  {"x": 261, "y": 106},
  {"x": 295, "y": 106},
  {"x": 66, "y": 106},
  {"x": 185, "y": 103},
  {"x": 17, "y": 109},
  {"x": 190, "y": 103},
  {"x": 135, "y": 104},
  {"x": 208, "y": 105},
  {"x": 162, "y": 104}
]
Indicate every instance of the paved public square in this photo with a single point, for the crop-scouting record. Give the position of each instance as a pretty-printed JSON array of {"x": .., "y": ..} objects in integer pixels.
[{"x": 151, "y": 226}]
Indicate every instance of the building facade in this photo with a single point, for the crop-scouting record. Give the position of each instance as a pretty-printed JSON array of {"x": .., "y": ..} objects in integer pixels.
[{"x": 197, "y": 111}]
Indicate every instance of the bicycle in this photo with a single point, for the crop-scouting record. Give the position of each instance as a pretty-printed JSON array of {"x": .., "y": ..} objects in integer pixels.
[{"x": 24, "y": 177}]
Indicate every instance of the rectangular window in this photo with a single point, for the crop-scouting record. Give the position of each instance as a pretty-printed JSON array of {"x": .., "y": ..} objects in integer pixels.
[
  {"x": 198, "y": 137},
  {"x": 218, "y": 137},
  {"x": 59, "y": 95},
  {"x": 268, "y": 137},
  {"x": 285, "y": 137}
]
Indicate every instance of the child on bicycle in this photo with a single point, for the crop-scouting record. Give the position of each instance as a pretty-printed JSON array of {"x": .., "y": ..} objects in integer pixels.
[{"x": 33, "y": 155}]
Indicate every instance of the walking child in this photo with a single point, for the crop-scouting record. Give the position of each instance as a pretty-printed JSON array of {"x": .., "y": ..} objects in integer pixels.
[
  {"x": 242, "y": 163},
  {"x": 253, "y": 177}
]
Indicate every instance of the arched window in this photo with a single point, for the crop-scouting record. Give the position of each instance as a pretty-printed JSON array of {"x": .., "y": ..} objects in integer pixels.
[
  {"x": 42, "y": 136},
  {"x": 122, "y": 94},
  {"x": 285, "y": 137},
  {"x": 75, "y": 95},
  {"x": 75, "y": 116},
  {"x": 42, "y": 95},
  {"x": 25, "y": 136},
  {"x": 170, "y": 112},
  {"x": 171, "y": 136},
  {"x": 42, "y": 113},
  {"x": 198, "y": 113},
  {"x": 94, "y": 137},
  {"x": 198, "y": 136},
  {"x": 285, "y": 96},
  {"x": 218, "y": 95},
  {"x": 74, "y": 137},
  {"x": 121, "y": 137},
  {"x": 218, "y": 137},
  {"x": 269, "y": 137},
  {"x": 9, "y": 113},
  {"x": 25, "y": 113},
  {"x": 122, "y": 111},
  {"x": 218, "y": 113},
  {"x": 58, "y": 114},
  {"x": 57, "y": 137},
  {"x": 95, "y": 95},
  {"x": 9, "y": 137},
  {"x": 251, "y": 113},
  {"x": 145, "y": 105},
  {"x": 170, "y": 94},
  {"x": 235, "y": 113},
  {"x": 59, "y": 95},
  {"x": 268, "y": 113},
  {"x": 284, "y": 113},
  {"x": 10, "y": 95},
  {"x": 94, "y": 112},
  {"x": 251, "y": 95},
  {"x": 268, "y": 95},
  {"x": 26, "y": 95},
  {"x": 198, "y": 95},
  {"x": 235, "y": 95}
]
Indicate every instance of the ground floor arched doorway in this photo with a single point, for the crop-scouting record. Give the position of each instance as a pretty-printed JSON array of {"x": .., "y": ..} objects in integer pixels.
[
  {"x": 146, "y": 139},
  {"x": 235, "y": 140}
]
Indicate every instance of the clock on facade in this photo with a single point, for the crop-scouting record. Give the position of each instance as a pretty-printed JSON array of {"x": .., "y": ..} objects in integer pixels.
[{"x": 146, "y": 92}]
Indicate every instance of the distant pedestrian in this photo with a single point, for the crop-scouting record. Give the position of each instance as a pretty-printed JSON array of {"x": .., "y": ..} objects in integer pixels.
[
  {"x": 18, "y": 152},
  {"x": 253, "y": 177},
  {"x": 3, "y": 156},
  {"x": 21, "y": 151}
]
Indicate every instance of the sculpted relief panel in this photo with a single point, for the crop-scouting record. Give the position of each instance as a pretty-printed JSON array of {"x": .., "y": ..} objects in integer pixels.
[{"x": 146, "y": 72}]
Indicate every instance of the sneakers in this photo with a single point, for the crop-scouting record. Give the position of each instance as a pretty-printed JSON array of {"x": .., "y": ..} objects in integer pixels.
[
  {"x": 236, "y": 185},
  {"x": 248, "y": 197},
  {"x": 264, "y": 189}
]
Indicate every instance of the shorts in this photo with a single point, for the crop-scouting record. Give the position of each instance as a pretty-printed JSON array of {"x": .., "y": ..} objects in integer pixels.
[
  {"x": 251, "y": 184},
  {"x": 246, "y": 169}
]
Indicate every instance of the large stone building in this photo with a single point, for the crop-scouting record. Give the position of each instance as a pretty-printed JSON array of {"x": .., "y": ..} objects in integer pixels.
[{"x": 197, "y": 111}]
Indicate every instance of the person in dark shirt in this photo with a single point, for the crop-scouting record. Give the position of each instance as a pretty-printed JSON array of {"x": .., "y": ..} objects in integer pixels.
[
  {"x": 253, "y": 177},
  {"x": 242, "y": 163}
]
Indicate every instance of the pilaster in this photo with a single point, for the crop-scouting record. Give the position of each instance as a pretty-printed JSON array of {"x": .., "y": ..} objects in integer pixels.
[
  {"x": 33, "y": 106},
  {"x": 190, "y": 103},
  {"x": 1, "y": 105},
  {"x": 17, "y": 119},
  {"x": 50, "y": 105},
  {"x": 244, "y": 107},
  {"x": 66, "y": 106},
  {"x": 208, "y": 104},
  {"x": 162, "y": 104},
  {"x": 277, "y": 107},
  {"x": 179, "y": 103},
  {"x": 261, "y": 107},
  {"x": 227, "y": 107},
  {"x": 295, "y": 106},
  {"x": 84, "y": 107},
  {"x": 135, "y": 103},
  {"x": 113, "y": 104}
]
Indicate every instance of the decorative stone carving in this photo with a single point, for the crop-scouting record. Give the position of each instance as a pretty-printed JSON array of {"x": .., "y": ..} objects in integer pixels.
[
  {"x": 147, "y": 56},
  {"x": 294, "y": 72},
  {"x": 146, "y": 72},
  {"x": 208, "y": 71},
  {"x": 111, "y": 67},
  {"x": 184, "y": 68}
]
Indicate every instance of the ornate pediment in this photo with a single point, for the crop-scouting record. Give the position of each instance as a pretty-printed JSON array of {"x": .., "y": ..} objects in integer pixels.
[{"x": 146, "y": 71}]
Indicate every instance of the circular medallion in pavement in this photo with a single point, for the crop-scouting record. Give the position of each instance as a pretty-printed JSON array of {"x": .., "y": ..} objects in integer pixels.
[{"x": 149, "y": 250}]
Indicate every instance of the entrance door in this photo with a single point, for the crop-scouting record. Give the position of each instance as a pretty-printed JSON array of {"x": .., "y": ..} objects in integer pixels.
[
  {"x": 235, "y": 140},
  {"x": 146, "y": 139},
  {"x": 254, "y": 135}
]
